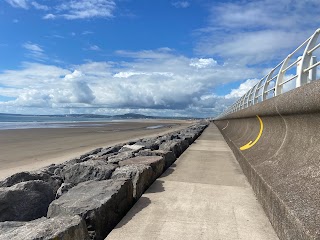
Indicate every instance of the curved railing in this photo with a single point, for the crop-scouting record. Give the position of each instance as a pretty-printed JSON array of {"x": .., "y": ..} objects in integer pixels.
[{"x": 299, "y": 67}]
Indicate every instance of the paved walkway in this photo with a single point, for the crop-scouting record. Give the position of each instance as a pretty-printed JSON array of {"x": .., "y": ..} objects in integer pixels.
[{"x": 204, "y": 195}]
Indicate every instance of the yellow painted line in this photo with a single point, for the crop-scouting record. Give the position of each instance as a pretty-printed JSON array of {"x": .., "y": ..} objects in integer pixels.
[{"x": 250, "y": 144}]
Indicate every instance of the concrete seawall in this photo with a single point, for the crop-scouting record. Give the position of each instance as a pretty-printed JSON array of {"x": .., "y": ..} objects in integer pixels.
[{"x": 282, "y": 161}]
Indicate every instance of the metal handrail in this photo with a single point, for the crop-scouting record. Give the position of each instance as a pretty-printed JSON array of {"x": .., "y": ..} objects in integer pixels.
[{"x": 306, "y": 71}]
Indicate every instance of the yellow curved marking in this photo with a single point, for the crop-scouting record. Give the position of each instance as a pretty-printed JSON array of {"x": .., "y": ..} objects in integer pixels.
[
  {"x": 226, "y": 126},
  {"x": 250, "y": 144}
]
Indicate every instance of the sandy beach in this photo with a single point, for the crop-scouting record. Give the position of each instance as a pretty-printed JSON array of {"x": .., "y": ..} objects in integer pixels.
[{"x": 31, "y": 149}]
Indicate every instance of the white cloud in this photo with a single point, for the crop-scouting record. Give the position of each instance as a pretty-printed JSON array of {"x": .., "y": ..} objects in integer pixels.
[
  {"x": 71, "y": 9},
  {"x": 49, "y": 16},
  {"x": 94, "y": 48},
  {"x": 203, "y": 62},
  {"x": 251, "y": 32},
  {"x": 18, "y": 3},
  {"x": 242, "y": 89},
  {"x": 160, "y": 86},
  {"x": 39, "y": 6},
  {"x": 82, "y": 9},
  {"x": 34, "y": 51},
  {"x": 26, "y": 4},
  {"x": 181, "y": 4}
]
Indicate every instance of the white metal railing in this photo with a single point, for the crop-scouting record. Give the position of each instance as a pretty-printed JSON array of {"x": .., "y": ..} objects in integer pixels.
[{"x": 273, "y": 83}]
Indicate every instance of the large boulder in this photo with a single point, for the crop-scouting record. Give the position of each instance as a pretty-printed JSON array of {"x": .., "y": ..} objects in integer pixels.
[
  {"x": 149, "y": 143},
  {"x": 155, "y": 162},
  {"x": 168, "y": 156},
  {"x": 115, "y": 159},
  {"x": 101, "y": 204},
  {"x": 140, "y": 174},
  {"x": 25, "y": 201},
  {"x": 133, "y": 148},
  {"x": 60, "y": 227},
  {"x": 171, "y": 145},
  {"x": 54, "y": 180},
  {"x": 88, "y": 170},
  {"x": 109, "y": 150}
]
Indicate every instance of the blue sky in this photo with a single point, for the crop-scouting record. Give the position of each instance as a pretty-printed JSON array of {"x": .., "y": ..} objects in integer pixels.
[{"x": 171, "y": 58}]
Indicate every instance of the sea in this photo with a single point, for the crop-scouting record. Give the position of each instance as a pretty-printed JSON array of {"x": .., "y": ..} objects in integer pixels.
[
  {"x": 8, "y": 121},
  {"x": 15, "y": 121}
]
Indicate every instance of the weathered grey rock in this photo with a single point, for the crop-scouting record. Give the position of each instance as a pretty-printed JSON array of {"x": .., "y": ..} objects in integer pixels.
[
  {"x": 54, "y": 180},
  {"x": 183, "y": 145},
  {"x": 108, "y": 150},
  {"x": 168, "y": 156},
  {"x": 101, "y": 204},
  {"x": 150, "y": 143},
  {"x": 155, "y": 162},
  {"x": 171, "y": 145},
  {"x": 60, "y": 227},
  {"x": 140, "y": 174},
  {"x": 93, "y": 152},
  {"x": 25, "y": 201},
  {"x": 88, "y": 170},
  {"x": 133, "y": 148},
  {"x": 63, "y": 189},
  {"x": 120, "y": 157}
]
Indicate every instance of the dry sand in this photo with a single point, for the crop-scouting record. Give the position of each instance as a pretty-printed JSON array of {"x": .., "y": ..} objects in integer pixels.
[{"x": 31, "y": 149}]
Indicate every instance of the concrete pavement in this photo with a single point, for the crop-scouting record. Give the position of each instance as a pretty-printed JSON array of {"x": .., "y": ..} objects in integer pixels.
[{"x": 203, "y": 195}]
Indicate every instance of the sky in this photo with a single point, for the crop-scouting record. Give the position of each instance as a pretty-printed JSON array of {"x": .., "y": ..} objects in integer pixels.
[{"x": 159, "y": 57}]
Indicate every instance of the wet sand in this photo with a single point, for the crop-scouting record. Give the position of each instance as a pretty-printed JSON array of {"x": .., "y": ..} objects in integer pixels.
[{"x": 31, "y": 149}]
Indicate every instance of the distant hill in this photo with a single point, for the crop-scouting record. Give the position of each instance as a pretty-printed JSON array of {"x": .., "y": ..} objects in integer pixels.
[{"x": 120, "y": 116}]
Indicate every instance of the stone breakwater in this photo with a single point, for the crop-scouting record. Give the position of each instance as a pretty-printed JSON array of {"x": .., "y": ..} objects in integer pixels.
[{"x": 84, "y": 198}]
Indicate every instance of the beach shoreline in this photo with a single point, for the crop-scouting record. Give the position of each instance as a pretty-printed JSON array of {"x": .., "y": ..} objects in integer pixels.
[{"x": 34, "y": 148}]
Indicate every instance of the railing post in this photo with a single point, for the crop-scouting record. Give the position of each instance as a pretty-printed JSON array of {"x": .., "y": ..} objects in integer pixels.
[
  {"x": 305, "y": 61},
  {"x": 266, "y": 85},
  {"x": 313, "y": 71},
  {"x": 278, "y": 87}
]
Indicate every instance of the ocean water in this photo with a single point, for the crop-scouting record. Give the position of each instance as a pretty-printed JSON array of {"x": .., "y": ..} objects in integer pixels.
[{"x": 28, "y": 121}]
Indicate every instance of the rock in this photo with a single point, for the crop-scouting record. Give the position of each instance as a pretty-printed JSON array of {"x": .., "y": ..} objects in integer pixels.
[
  {"x": 89, "y": 170},
  {"x": 101, "y": 204},
  {"x": 54, "y": 180},
  {"x": 25, "y": 201},
  {"x": 133, "y": 148},
  {"x": 140, "y": 174},
  {"x": 63, "y": 189},
  {"x": 190, "y": 137},
  {"x": 183, "y": 145},
  {"x": 155, "y": 162},
  {"x": 168, "y": 156},
  {"x": 150, "y": 143},
  {"x": 60, "y": 227},
  {"x": 93, "y": 152},
  {"x": 120, "y": 157},
  {"x": 109, "y": 150},
  {"x": 171, "y": 145}
]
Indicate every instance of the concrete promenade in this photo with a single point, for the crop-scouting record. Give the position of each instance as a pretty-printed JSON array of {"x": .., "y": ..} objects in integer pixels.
[{"x": 203, "y": 195}]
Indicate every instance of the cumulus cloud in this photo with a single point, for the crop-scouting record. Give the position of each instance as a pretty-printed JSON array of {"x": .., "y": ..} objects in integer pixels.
[
  {"x": 203, "y": 62},
  {"x": 242, "y": 89},
  {"x": 168, "y": 84}
]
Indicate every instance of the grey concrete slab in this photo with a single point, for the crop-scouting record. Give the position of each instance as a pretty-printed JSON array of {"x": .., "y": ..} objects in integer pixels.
[{"x": 204, "y": 195}]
